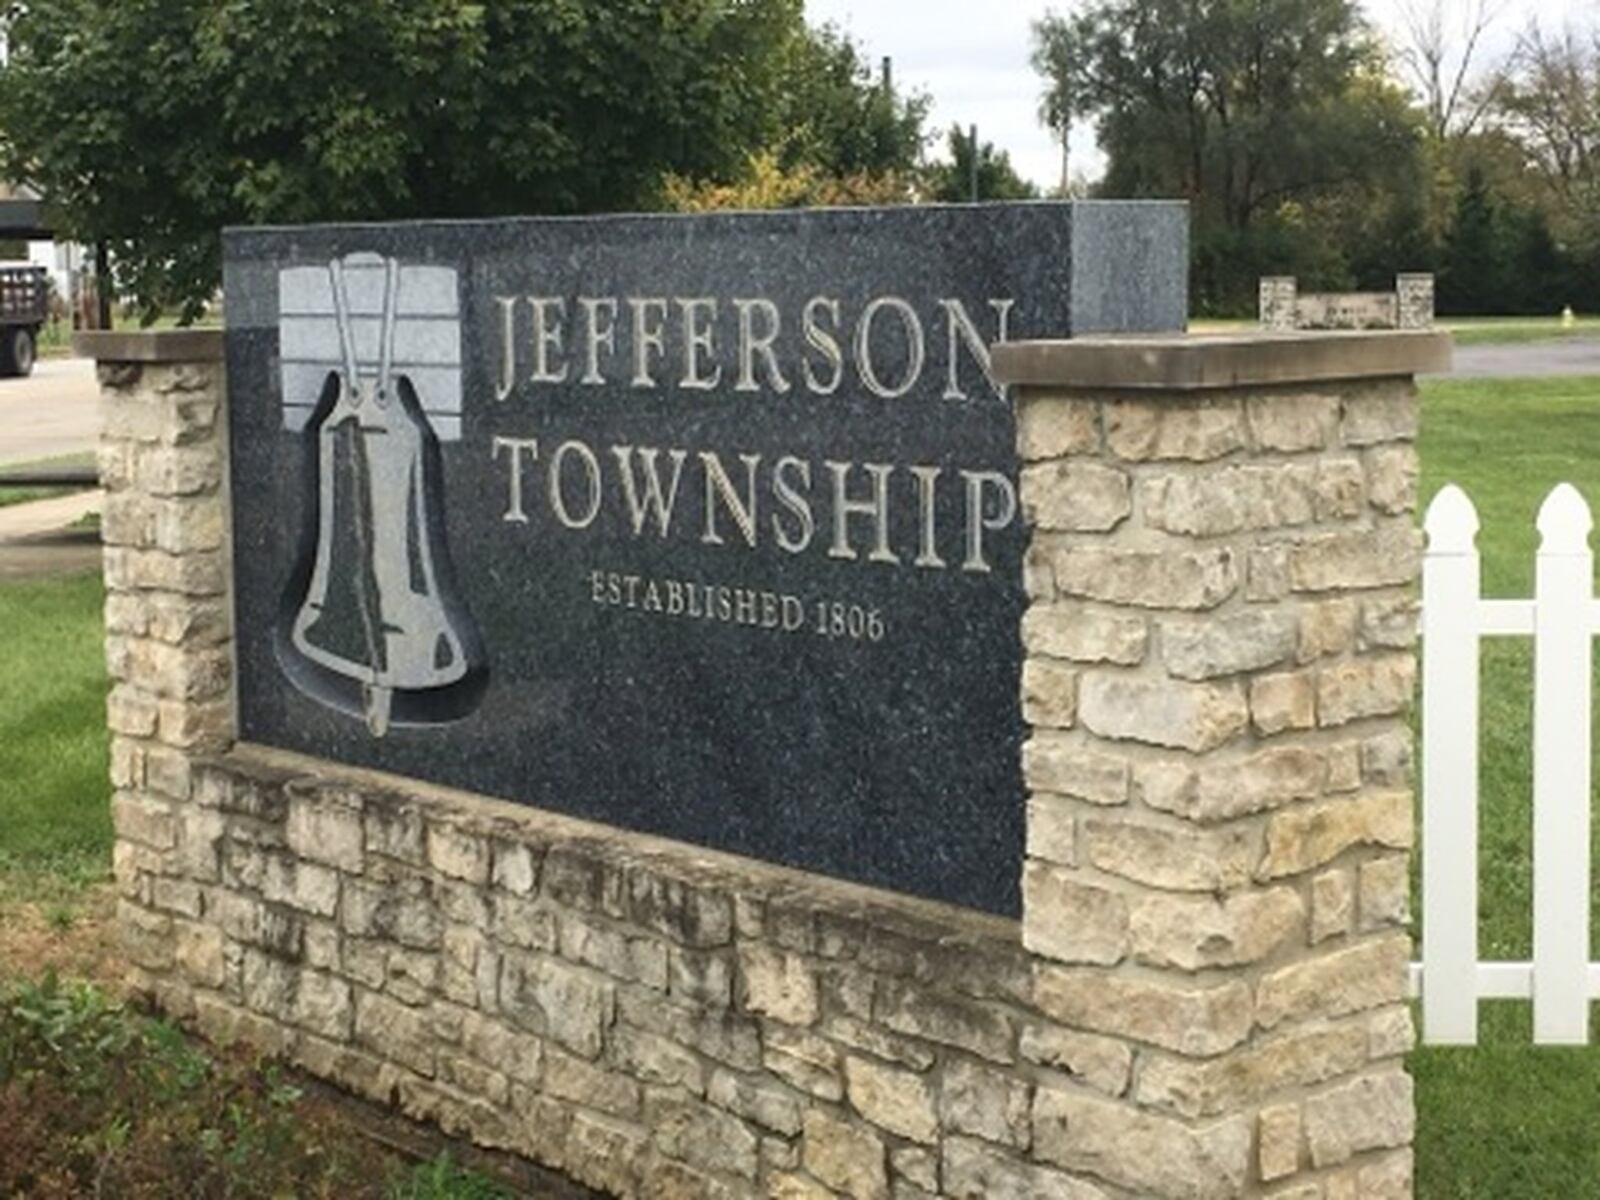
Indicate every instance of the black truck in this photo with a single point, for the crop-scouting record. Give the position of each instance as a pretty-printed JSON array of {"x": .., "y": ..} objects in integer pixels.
[{"x": 24, "y": 307}]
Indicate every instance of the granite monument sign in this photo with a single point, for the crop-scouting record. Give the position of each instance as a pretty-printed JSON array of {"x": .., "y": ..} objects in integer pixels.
[{"x": 701, "y": 526}]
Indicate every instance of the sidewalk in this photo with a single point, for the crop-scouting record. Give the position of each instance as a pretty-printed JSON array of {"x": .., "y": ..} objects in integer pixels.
[{"x": 36, "y": 538}]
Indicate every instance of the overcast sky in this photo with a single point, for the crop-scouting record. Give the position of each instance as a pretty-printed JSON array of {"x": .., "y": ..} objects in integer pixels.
[{"x": 971, "y": 57}]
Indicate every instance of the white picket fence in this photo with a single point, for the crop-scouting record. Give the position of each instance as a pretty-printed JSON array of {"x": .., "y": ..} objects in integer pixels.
[{"x": 1562, "y": 618}]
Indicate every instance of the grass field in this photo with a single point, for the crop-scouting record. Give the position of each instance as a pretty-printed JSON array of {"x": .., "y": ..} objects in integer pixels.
[{"x": 1505, "y": 1119}]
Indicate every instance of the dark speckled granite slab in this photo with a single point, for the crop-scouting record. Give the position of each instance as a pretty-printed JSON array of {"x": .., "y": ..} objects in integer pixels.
[{"x": 455, "y": 568}]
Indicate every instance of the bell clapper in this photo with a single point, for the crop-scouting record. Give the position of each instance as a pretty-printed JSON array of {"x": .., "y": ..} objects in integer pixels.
[{"x": 377, "y": 698}]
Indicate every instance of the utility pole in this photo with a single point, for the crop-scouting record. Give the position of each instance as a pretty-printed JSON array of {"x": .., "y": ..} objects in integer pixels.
[
  {"x": 972, "y": 135},
  {"x": 888, "y": 76},
  {"x": 102, "y": 283},
  {"x": 1066, "y": 178}
]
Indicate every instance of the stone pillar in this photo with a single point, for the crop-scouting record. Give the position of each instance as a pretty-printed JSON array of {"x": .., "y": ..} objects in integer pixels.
[
  {"x": 1219, "y": 662},
  {"x": 1278, "y": 298},
  {"x": 162, "y": 458},
  {"x": 1414, "y": 301}
]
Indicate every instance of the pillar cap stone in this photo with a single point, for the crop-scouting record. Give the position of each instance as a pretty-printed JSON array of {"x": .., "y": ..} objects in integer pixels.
[
  {"x": 1191, "y": 362},
  {"x": 149, "y": 345}
]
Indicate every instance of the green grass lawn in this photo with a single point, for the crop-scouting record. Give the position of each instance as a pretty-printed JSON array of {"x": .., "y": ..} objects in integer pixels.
[
  {"x": 1507, "y": 1119},
  {"x": 55, "y": 823}
]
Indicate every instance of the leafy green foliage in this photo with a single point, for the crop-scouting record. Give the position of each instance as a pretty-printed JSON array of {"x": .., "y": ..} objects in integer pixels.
[
  {"x": 1269, "y": 118},
  {"x": 952, "y": 181},
  {"x": 97, "y": 1100},
  {"x": 154, "y": 123}
]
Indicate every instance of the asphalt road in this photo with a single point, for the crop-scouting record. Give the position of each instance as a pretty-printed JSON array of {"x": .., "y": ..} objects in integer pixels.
[
  {"x": 1568, "y": 356},
  {"x": 50, "y": 413}
]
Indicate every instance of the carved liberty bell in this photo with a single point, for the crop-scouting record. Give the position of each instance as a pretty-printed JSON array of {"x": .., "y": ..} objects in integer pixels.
[{"x": 376, "y": 626}]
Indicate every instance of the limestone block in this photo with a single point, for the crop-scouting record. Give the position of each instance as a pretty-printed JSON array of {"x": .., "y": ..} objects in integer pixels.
[
  {"x": 1175, "y": 579},
  {"x": 1380, "y": 413},
  {"x": 916, "y": 1166},
  {"x": 1049, "y": 693},
  {"x": 326, "y": 828},
  {"x": 897, "y": 1101},
  {"x": 918, "y": 1010},
  {"x": 778, "y": 984},
  {"x": 1302, "y": 1057},
  {"x": 1255, "y": 782},
  {"x": 1052, "y": 830},
  {"x": 1069, "y": 920},
  {"x": 1102, "y": 1063},
  {"x": 1370, "y": 1113},
  {"x": 688, "y": 1129},
  {"x": 1278, "y": 1139},
  {"x": 1189, "y": 860},
  {"x": 1309, "y": 835},
  {"x": 1386, "y": 758},
  {"x": 845, "y": 1156},
  {"x": 1332, "y": 905},
  {"x": 1083, "y": 633},
  {"x": 393, "y": 1031},
  {"x": 1248, "y": 640},
  {"x": 1149, "y": 1155},
  {"x": 515, "y": 868},
  {"x": 1390, "y": 1033},
  {"x": 1372, "y": 685},
  {"x": 1197, "y": 430},
  {"x": 994, "y": 1105},
  {"x": 1267, "y": 576},
  {"x": 1392, "y": 478},
  {"x": 611, "y": 950},
  {"x": 1385, "y": 892},
  {"x": 1053, "y": 762},
  {"x": 1281, "y": 702},
  {"x": 574, "y": 1080},
  {"x": 1291, "y": 423},
  {"x": 765, "y": 1103},
  {"x": 1368, "y": 558},
  {"x": 1195, "y": 1020},
  {"x": 1214, "y": 503},
  {"x": 1341, "y": 486},
  {"x": 1327, "y": 627},
  {"x": 1054, "y": 427},
  {"x": 458, "y": 853},
  {"x": 1196, "y": 932},
  {"x": 804, "y": 1061},
  {"x": 1188, "y": 716},
  {"x": 322, "y": 1004},
  {"x": 1363, "y": 976},
  {"x": 1389, "y": 622},
  {"x": 1074, "y": 496},
  {"x": 973, "y": 1170},
  {"x": 568, "y": 1004}
]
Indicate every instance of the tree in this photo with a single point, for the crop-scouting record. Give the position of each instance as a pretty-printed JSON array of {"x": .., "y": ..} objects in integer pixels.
[
  {"x": 952, "y": 181},
  {"x": 152, "y": 124},
  {"x": 832, "y": 112},
  {"x": 1474, "y": 276},
  {"x": 1550, "y": 101},
  {"x": 1440, "y": 67},
  {"x": 1253, "y": 112}
]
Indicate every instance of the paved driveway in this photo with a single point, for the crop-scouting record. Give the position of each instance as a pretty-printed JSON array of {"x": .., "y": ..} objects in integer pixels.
[
  {"x": 51, "y": 412},
  {"x": 1567, "y": 356}
]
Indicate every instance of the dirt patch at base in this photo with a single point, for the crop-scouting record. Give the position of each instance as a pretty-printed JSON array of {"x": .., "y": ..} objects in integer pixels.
[{"x": 76, "y": 940}]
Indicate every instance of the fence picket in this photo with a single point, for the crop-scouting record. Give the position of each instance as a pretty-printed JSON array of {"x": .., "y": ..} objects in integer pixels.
[
  {"x": 1451, "y": 586},
  {"x": 1563, "y": 596}
]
